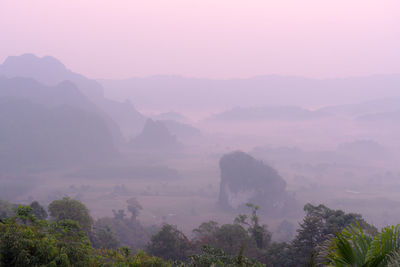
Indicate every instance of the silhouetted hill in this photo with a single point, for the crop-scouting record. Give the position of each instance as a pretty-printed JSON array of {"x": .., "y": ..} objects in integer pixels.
[
  {"x": 35, "y": 136},
  {"x": 247, "y": 180},
  {"x": 181, "y": 130},
  {"x": 50, "y": 71},
  {"x": 155, "y": 136},
  {"x": 64, "y": 93},
  {"x": 268, "y": 113},
  {"x": 380, "y": 105}
]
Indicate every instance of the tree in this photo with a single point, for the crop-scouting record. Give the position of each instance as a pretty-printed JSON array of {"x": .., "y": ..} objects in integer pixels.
[
  {"x": 72, "y": 243},
  {"x": 119, "y": 214},
  {"x": 6, "y": 209},
  {"x": 231, "y": 238},
  {"x": 258, "y": 232},
  {"x": 27, "y": 241},
  {"x": 309, "y": 236},
  {"x": 279, "y": 254},
  {"x": 246, "y": 233},
  {"x": 71, "y": 209},
  {"x": 123, "y": 257},
  {"x": 105, "y": 238},
  {"x": 356, "y": 247},
  {"x": 38, "y": 210},
  {"x": 210, "y": 256},
  {"x": 319, "y": 225},
  {"x": 128, "y": 231},
  {"x": 169, "y": 243},
  {"x": 22, "y": 242},
  {"x": 205, "y": 233},
  {"x": 134, "y": 207}
]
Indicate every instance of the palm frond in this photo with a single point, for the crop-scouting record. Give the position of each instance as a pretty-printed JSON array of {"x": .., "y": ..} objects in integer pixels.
[{"x": 385, "y": 244}]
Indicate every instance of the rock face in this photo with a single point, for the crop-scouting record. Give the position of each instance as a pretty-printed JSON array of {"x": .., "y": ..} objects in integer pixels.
[
  {"x": 155, "y": 136},
  {"x": 245, "y": 179}
]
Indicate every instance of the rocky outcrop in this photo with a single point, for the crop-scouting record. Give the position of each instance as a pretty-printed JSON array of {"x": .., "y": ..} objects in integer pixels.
[
  {"x": 245, "y": 179},
  {"x": 155, "y": 136}
]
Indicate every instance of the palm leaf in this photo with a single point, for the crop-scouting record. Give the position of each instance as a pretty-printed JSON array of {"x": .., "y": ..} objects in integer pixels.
[
  {"x": 350, "y": 247},
  {"x": 383, "y": 246}
]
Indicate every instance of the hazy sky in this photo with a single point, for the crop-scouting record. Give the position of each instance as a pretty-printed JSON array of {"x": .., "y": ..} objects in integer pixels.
[{"x": 207, "y": 38}]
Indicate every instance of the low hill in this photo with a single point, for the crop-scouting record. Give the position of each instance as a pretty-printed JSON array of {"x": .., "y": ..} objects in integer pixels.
[{"x": 155, "y": 136}]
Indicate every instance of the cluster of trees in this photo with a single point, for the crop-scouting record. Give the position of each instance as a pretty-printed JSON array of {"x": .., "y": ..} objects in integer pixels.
[
  {"x": 122, "y": 229},
  {"x": 28, "y": 241},
  {"x": 246, "y": 236},
  {"x": 70, "y": 237}
]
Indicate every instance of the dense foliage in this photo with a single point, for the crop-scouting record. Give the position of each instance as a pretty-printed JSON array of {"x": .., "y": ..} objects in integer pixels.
[
  {"x": 121, "y": 229},
  {"x": 67, "y": 238},
  {"x": 72, "y": 209},
  {"x": 355, "y": 246}
]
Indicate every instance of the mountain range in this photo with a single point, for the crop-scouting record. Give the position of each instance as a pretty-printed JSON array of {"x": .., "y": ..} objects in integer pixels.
[{"x": 49, "y": 71}]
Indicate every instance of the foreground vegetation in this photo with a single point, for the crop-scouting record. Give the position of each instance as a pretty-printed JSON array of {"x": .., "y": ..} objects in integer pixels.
[{"x": 70, "y": 237}]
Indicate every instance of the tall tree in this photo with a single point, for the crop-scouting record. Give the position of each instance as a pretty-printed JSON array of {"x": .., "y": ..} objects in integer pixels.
[
  {"x": 319, "y": 225},
  {"x": 71, "y": 209},
  {"x": 134, "y": 207},
  {"x": 38, "y": 210},
  {"x": 169, "y": 243}
]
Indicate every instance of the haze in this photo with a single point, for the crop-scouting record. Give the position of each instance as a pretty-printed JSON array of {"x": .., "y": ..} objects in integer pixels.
[
  {"x": 211, "y": 133},
  {"x": 210, "y": 39}
]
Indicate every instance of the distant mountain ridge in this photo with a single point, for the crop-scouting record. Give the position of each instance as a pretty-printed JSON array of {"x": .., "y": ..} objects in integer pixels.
[
  {"x": 50, "y": 71},
  {"x": 63, "y": 94},
  {"x": 379, "y": 105},
  {"x": 181, "y": 93},
  {"x": 285, "y": 113},
  {"x": 46, "y": 125}
]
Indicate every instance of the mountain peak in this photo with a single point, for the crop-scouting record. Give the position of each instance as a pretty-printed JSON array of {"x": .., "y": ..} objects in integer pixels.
[
  {"x": 31, "y": 60},
  {"x": 46, "y": 69}
]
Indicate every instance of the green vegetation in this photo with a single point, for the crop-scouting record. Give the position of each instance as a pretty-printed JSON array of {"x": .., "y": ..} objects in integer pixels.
[
  {"x": 169, "y": 243},
  {"x": 356, "y": 247},
  {"x": 71, "y": 209},
  {"x": 6, "y": 209},
  {"x": 122, "y": 230},
  {"x": 325, "y": 237},
  {"x": 27, "y": 241},
  {"x": 318, "y": 226}
]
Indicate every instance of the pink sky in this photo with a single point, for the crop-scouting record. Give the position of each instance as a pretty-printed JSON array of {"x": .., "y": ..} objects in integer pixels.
[{"x": 207, "y": 38}]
